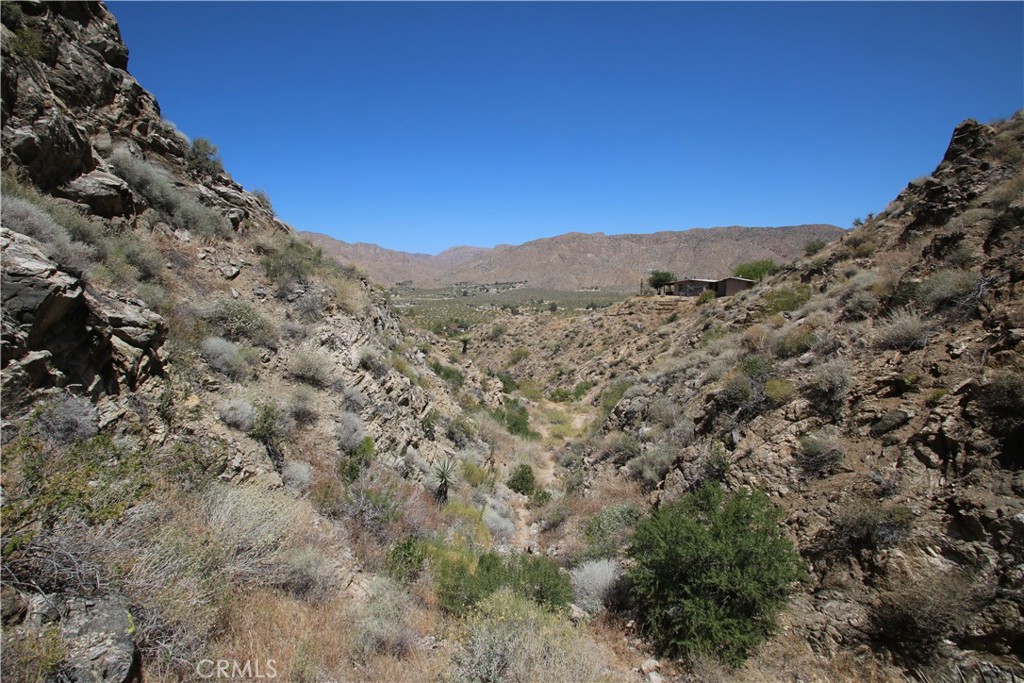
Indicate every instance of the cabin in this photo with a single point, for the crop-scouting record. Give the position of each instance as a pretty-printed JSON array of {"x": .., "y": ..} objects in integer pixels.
[
  {"x": 695, "y": 286},
  {"x": 690, "y": 287},
  {"x": 732, "y": 285}
]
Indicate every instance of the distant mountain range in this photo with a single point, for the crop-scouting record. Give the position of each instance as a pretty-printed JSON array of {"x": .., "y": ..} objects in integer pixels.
[{"x": 580, "y": 260}]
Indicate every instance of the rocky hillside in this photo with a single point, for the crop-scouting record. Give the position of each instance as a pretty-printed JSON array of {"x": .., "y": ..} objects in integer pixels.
[
  {"x": 219, "y": 445},
  {"x": 583, "y": 261},
  {"x": 874, "y": 390}
]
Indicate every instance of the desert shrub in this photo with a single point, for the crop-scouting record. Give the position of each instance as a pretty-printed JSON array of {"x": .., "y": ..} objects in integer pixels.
[
  {"x": 252, "y": 527},
  {"x": 239, "y": 320},
  {"x": 405, "y": 560},
  {"x": 829, "y": 386},
  {"x": 264, "y": 199},
  {"x": 814, "y": 246},
  {"x": 238, "y": 414},
  {"x": 225, "y": 357},
  {"x": 449, "y": 374},
  {"x": 202, "y": 157},
  {"x": 474, "y": 475},
  {"x": 34, "y": 656},
  {"x": 779, "y": 391},
  {"x": 607, "y": 533},
  {"x": 737, "y": 391},
  {"x": 311, "y": 366},
  {"x": 819, "y": 454},
  {"x": 357, "y": 460},
  {"x": 519, "y": 354},
  {"x": 705, "y": 297},
  {"x": 651, "y": 467},
  {"x": 522, "y": 480},
  {"x": 24, "y": 217},
  {"x": 372, "y": 500},
  {"x": 66, "y": 419},
  {"x": 534, "y": 577},
  {"x": 509, "y": 639},
  {"x": 592, "y": 583},
  {"x": 902, "y": 330},
  {"x": 161, "y": 193},
  {"x": 914, "y": 617},
  {"x": 385, "y": 622},
  {"x": 946, "y": 289},
  {"x": 515, "y": 418},
  {"x": 581, "y": 389},
  {"x": 289, "y": 260},
  {"x": 795, "y": 342},
  {"x": 460, "y": 432},
  {"x": 306, "y": 573},
  {"x": 861, "y": 304},
  {"x": 373, "y": 362},
  {"x": 1004, "y": 393},
  {"x": 755, "y": 270},
  {"x": 501, "y": 527},
  {"x": 612, "y": 394},
  {"x": 300, "y": 406},
  {"x": 785, "y": 299},
  {"x": 865, "y": 525},
  {"x": 296, "y": 475},
  {"x": 269, "y": 426},
  {"x": 711, "y": 572},
  {"x": 349, "y": 431}
]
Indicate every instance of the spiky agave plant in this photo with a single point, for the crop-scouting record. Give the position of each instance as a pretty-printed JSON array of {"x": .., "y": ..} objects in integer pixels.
[{"x": 444, "y": 478}]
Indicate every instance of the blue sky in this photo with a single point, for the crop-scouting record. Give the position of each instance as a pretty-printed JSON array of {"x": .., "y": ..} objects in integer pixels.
[{"x": 421, "y": 126}]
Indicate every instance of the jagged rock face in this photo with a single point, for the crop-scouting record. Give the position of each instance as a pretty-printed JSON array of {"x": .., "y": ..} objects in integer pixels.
[{"x": 58, "y": 334}]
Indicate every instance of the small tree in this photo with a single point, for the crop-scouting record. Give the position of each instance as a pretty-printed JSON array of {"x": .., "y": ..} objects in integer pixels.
[
  {"x": 755, "y": 270},
  {"x": 660, "y": 278},
  {"x": 203, "y": 158},
  {"x": 522, "y": 480},
  {"x": 711, "y": 572}
]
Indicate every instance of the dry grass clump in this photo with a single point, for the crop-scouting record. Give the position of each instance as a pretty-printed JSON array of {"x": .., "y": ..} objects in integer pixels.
[
  {"x": 238, "y": 414},
  {"x": 24, "y": 217},
  {"x": 950, "y": 288},
  {"x": 829, "y": 386},
  {"x": 301, "y": 407},
  {"x": 820, "y": 454},
  {"x": 902, "y": 330},
  {"x": 592, "y": 583},
  {"x": 383, "y": 622},
  {"x": 223, "y": 356},
  {"x": 66, "y": 419},
  {"x": 239, "y": 320},
  {"x": 509, "y": 638},
  {"x": 649, "y": 468},
  {"x": 311, "y": 366}
]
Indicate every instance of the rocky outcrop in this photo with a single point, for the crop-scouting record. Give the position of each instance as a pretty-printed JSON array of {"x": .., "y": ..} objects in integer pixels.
[{"x": 56, "y": 333}]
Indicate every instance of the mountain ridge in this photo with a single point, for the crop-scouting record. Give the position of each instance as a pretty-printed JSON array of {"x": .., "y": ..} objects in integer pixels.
[{"x": 577, "y": 260}]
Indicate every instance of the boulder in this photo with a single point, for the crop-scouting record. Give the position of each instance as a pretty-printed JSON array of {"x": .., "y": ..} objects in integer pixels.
[
  {"x": 104, "y": 193},
  {"x": 99, "y": 635}
]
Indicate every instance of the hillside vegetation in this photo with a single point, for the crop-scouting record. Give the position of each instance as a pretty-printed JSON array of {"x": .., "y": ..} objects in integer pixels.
[{"x": 220, "y": 445}]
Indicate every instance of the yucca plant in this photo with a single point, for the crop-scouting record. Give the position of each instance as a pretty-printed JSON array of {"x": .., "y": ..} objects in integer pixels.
[{"x": 444, "y": 478}]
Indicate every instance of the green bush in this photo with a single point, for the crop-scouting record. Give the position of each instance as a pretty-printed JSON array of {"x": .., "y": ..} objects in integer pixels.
[
  {"x": 202, "y": 157},
  {"x": 608, "y": 532},
  {"x": 449, "y": 374},
  {"x": 779, "y": 391},
  {"x": 755, "y": 270},
  {"x": 516, "y": 419},
  {"x": 711, "y": 572},
  {"x": 523, "y": 480},
  {"x": 704, "y": 297},
  {"x": 660, "y": 278},
  {"x": 785, "y": 299},
  {"x": 534, "y": 577},
  {"x": 406, "y": 560},
  {"x": 814, "y": 246}
]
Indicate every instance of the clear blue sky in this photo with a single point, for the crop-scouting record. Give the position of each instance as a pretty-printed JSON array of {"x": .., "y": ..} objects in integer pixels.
[{"x": 420, "y": 126}]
